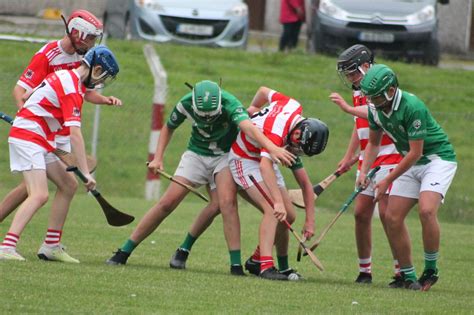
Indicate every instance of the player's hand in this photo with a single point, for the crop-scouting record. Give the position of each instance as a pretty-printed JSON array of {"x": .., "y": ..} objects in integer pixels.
[
  {"x": 380, "y": 189},
  {"x": 90, "y": 185},
  {"x": 308, "y": 230},
  {"x": 155, "y": 165},
  {"x": 279, "y": 211},
  {"x": 344, "y": 165},
  {"x": 337, "y": 99},
  {"x": 114, "y": 101},
  {"x": 362, "y": 180},
  {"x": 282, "y": 156}
]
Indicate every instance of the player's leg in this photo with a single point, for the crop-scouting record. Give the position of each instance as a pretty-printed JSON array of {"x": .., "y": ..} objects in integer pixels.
[
  {"x": 227, "y": 196},
  {"x": 200, "y": 224},
  {"x": 363, "y": 212},
  {"x": 66, "y": 184},
  {"x": 436, "y": 179},
  {"x": 28, "y": 159},
  {"x": 13, "y": 200}
]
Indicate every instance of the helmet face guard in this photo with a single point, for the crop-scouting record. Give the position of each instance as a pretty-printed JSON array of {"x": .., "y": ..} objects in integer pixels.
[
  {"x": 376, "y": 85},
  {"x": 349, "y": 64},
  {"x": 87, "y": 28},
  {"x": 207, "y": 101},
  {"x": 313, "y": 138},
  {"x": 103, "y": 67}
]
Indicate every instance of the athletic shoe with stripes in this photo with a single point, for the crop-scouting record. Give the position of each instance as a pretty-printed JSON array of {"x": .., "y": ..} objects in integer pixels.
[
  {"x": 10, "y": 253},
  {"x": 428, "y": 279},
  {"x": 119, "y": 258},
  {"x": 178, "y": 260},
  {"x": 55, "y": 253}
]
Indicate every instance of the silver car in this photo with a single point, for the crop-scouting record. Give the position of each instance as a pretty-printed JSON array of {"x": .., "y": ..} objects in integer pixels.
[
  {"x": 399, "y": 28},
  {"x": 222, "y": 23}
]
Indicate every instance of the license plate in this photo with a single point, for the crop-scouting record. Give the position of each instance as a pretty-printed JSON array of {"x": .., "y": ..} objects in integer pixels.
[
  {"x": 194, "y": 29},
  {"x": 377, "y": 37}
]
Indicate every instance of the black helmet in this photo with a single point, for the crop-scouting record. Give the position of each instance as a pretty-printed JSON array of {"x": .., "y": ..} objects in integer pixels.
[
  {"x": 314, "y": 136},
  {"x": 351, "y": 59}
]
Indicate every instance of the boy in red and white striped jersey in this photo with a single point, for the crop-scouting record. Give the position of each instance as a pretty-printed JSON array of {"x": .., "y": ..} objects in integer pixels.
[
  {"x": 353, "y": 63},
  {"x": 283, "y": 124},
  {"x": 55, "y": 104}
]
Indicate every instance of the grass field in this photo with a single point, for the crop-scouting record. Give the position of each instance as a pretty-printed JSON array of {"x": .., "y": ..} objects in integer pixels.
[{"x": 147, "y": 285}]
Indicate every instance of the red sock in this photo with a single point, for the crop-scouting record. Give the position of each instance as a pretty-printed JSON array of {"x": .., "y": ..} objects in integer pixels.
[
  {"x": 396, "y": 267},
  {"x": 256, "y": 254},
  {"x": 266, "y": 262},
  {"x": 365, "y": 265},
  {"x": 10, "y": 240},
  {"x": 53, "y": 237}
]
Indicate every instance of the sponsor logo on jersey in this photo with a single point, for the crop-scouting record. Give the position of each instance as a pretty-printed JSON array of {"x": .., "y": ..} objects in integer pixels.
[
  {"x": 29, "y": 74},
  {"x": 76, "y": 112}
]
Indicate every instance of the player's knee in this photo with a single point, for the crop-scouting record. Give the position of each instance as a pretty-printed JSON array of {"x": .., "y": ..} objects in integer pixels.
[
  {"x": 40, "y": 199},
  {"x": 167, "y": 205},
  {"x": 427, "y": 213},
  {"x": 363, "y": 216}
]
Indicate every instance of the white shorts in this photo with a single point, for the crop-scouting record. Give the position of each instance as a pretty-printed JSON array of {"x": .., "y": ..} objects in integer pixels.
[
  {"x": 63, "y": 143},
  {"x": 242, "y": 168},
  {"x": 435, "y": 176},
  {"x": 26, "y": 156},
  {"x": 379, "y": 176},
  {"x": 199, "y": 169}
]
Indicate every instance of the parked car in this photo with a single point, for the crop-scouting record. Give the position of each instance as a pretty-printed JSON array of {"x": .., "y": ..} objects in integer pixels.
[
  {"x": 403, "y": 29},
  {"x": 222, "y": 23}
]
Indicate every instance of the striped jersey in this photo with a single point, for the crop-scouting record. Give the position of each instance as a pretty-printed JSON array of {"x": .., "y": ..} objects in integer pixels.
[
  {"x": 50, "y": 58},
  {"x": 275, "y": 121},
  {"x": 56, "y": 103},
  {"x": 388, "y": 153}
]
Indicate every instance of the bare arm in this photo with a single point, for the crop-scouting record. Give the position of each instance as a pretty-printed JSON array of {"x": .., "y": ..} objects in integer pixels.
[
  {"x": 79, "y": 151},
  {"x": 359, "y": 111},
  {"x": 370, "y": 154},
  {"x": 18, "y": 93},
  {"x": 415, "y": 153},
  {"x": 303, "y": 181},
  {"x": 259, "y": 100},
  {"x": 163, "y": 141},
  {"x": 95, "y": 97}
]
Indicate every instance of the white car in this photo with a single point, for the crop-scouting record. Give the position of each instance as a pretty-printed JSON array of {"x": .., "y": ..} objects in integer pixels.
[{"x": 222, "y": 23}]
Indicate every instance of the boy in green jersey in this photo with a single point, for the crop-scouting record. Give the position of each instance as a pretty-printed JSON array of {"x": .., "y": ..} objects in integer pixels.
[
  {"x": 216, "y": 116},
  {"x": 423, "y": 175}
]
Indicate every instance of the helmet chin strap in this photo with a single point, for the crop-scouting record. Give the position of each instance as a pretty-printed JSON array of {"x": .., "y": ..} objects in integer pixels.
[{"x": 77, "y": 50}]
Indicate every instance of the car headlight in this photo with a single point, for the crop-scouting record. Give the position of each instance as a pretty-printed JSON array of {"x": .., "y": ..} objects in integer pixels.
[
  {"x": 424, "y": 15},
  {"x": 329, "y": 8},
  {"x": 149, "y": 4},
  {"x": 238, "y": 10}
]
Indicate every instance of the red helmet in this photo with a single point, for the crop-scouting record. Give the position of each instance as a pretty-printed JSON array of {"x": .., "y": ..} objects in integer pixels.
[{"x": 85, "y": 23}]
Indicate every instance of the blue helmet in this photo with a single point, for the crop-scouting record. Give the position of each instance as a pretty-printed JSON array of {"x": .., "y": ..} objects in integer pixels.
[{"x": 101, "y": 56}]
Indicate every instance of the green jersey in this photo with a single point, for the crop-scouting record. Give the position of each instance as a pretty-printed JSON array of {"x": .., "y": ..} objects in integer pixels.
[
  {"x": 213, "y": 139},
  {"x": 408, "y": 120}
]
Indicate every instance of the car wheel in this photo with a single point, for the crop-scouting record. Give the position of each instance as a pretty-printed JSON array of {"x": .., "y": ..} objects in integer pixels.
[{"x": 432, "y": 52}]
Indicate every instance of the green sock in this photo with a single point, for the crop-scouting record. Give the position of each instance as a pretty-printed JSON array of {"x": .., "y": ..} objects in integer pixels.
[
  {"x": 409, "y": 273},
  {"x": 283, "y": 262},
  {"x": 235, "y": 258},
  {"x": 431, "y": 259},
  {"x": 129, "y": 246},
  {"x": 188, "y": 242}
]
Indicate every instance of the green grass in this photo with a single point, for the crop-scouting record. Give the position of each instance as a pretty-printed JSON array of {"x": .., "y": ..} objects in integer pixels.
[
  {"x": 147, "y": 285},
  {"x": 124, "y": 134}
]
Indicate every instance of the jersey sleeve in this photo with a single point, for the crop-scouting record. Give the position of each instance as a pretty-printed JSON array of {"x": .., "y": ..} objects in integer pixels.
[
  {"x": 297, "y": 164},
  {"x": 416, "y": 123},
  {"x": 36, "y": 71},
  {"x": 176, "y": 117},
  {"x": 71, "y": 105},
  {"x": 234, "y": 108},
  {"x": 277, "y": 96},
  {"x": 372, "y": 124}
]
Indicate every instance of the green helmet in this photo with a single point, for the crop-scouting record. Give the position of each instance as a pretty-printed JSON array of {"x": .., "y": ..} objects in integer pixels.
[
  {"x": 378, "y": 80},
  {"x": 207, "y": 101}
]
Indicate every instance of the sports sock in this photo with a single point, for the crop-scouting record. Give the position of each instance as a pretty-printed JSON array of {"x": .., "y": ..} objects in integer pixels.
[
  {"x": 10, "y": 240},
  {"x": 396, "y": 267},
  {"x": 409, "y": 273},
  {"x": 128, "y": 246},
  {"x": 283, "y": 262},
  {"x": 266, "y": 262},
  {"x": 235, "y": 257},
  {"x": 365, "y": 265},
  {"x": 53, "y": 237},
  {"x": 431, "y": 259},
  {"x": 256, "y": 254},
  {"x": 188, "y": 242}
]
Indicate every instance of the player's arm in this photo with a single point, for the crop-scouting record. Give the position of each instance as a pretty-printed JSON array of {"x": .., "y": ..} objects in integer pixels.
[
  {"x": 410, "y": 159},
  {"x": 304, "y": 182},
  {"x": 259, "y": 100},
  {"x": 351, "y": 155},
  {"x": 31, "y": 77},
  {"x": 163, "y": 141},
  {"x": 79, "y": 151},
  {"x": 94, "y": 97},
  {"x": 370, "y": 154},
  {"x": 18, "y": 95},
  {"x": 278, "y": 154},
  {"x": 270, "y": 179},
  {"x": 358, "y": 111}
]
